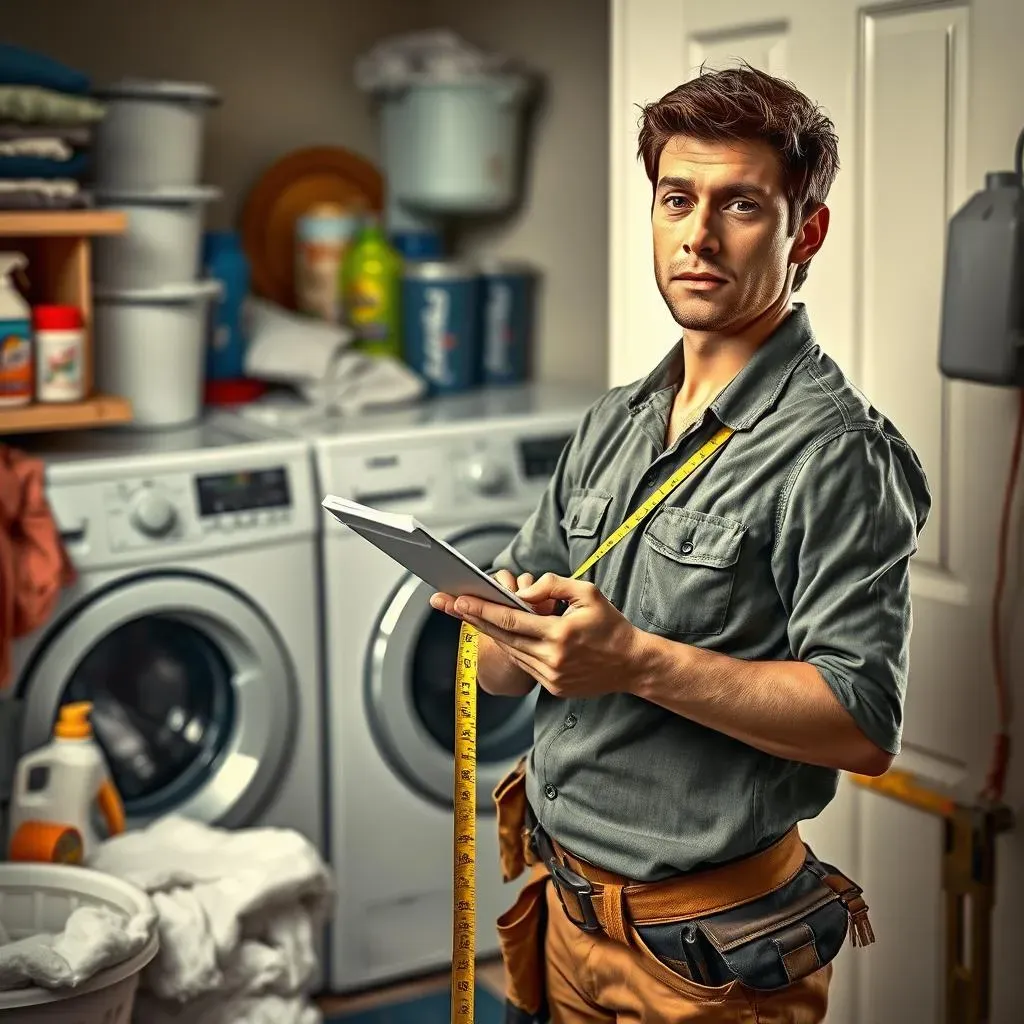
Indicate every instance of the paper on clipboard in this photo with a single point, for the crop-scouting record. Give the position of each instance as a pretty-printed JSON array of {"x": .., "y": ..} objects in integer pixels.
[{"x": 407, "y": 541}]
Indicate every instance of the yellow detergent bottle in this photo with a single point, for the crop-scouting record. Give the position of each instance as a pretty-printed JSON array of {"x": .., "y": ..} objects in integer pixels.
[
  {"x": 66, "y": 781},
  {"x": 371, "y": 281}
]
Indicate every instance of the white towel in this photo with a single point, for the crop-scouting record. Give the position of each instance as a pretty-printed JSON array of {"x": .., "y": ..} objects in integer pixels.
[
  {"x": 289, "y": 348},
  {"x": 316, "y": 359},
  {"x": 94, "y": 938},
  {"x": 238, "y": 913}
]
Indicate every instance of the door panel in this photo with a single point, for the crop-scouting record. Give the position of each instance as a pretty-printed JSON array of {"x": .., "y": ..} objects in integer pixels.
[{"x": 925, "y": 99}]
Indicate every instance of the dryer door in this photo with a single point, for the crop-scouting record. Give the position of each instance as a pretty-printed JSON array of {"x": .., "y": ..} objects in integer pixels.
[
  {"x": 194, "y": 697},
  {"x": 411, "y": 689}
]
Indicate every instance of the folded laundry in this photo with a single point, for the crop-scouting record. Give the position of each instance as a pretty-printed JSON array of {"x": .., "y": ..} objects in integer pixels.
[
  {"x": 18, "y": 166},
  {"x": 21, "y": 66},
  {"x": 44, "y": 147},
  {"x": 40, "y": 194},
  {"x": 32, "y": 104},
  {"x": 79, "y": 135}
]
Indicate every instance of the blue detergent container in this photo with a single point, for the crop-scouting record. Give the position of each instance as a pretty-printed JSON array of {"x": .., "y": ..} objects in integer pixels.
[{"x": 224, "y": 259}]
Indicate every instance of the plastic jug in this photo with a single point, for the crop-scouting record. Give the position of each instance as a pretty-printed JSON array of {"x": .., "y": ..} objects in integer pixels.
[{"x": 64, "y": 782}]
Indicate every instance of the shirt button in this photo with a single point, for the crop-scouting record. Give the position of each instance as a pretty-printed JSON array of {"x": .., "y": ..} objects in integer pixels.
[
  {"x": 570, "y": 720},
  {"x": 686, "y": 547},
  {"x": 550, "y": 792}
]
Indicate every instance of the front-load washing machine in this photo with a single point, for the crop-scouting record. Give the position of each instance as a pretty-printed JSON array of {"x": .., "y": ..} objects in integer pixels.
[
  {"x": 472, "y": 469},
  {"x": 193, "y": 626}
]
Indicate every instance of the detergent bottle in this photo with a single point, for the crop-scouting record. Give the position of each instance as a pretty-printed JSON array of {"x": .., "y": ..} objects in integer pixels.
[
  {"x": 16, "y": 376},
  {"x": 65, "y": 782},
  {"x": 370, "y": 284}
]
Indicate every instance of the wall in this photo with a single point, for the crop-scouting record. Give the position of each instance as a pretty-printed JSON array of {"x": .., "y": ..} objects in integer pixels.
[
  {"x": 565, "y": 228},
  {"x": 285, "y": 73}
]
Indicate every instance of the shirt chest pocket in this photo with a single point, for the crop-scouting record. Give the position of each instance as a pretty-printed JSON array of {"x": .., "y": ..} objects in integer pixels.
[
  {"x": 584, "y": 519},
  {"x": 689, "y": 570}
]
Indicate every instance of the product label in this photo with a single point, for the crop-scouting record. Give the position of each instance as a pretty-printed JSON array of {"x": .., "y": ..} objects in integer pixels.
[
  {"x": 15, "y": 365},
  {"x": 438, "y": 342},
  {"x": 317, "y": 292},
  {"x": 498, "y": 334},
  {"x": 366, "y": 302},
  {"x": 60, "y": 370}
]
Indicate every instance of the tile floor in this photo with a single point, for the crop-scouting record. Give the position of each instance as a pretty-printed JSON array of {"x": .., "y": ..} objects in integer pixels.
[{"x": 489, "y": 974}]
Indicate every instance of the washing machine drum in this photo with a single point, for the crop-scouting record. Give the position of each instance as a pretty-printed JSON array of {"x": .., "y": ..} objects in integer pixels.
[
  {"x": 411, "y": 688},
  {"x": 193, "y": 695}
]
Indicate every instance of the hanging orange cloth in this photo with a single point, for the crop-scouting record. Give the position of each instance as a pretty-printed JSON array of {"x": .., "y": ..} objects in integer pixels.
[{"x": 34, "y": 565}]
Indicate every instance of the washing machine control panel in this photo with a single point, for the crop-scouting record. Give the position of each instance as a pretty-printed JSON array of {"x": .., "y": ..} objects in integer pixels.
[
  {"x": 153, "y": 512},
  {"x": 185, "y": 507},
  {"x": 484, "y": 474},
  {"x": 467, "y": 475}
]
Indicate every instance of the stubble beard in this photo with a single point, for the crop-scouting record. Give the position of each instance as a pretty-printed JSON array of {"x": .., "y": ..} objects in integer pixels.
[{"x": 695, "y": 314}]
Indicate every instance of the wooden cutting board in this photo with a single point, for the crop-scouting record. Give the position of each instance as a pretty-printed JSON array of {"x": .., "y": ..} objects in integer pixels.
[{"x": 282, "y": 194}]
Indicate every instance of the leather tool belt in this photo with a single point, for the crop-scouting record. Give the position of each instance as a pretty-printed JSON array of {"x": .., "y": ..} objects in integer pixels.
[{"x": 767, "y": 920}]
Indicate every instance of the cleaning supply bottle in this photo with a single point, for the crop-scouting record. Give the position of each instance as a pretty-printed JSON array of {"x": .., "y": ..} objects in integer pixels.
[
  {"x": 64, "y": 782},
  {"x": 371, "y": 283},
  {"x": 225, "y": 260},
  {"x": 16, "y": 377}
]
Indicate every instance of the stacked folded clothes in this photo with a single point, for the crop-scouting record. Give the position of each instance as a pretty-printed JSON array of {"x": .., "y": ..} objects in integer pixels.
[{"x": 47, "y": 120}]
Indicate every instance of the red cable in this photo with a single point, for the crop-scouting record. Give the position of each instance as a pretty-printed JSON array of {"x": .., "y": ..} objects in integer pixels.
[{"x": 996, "y": 779}]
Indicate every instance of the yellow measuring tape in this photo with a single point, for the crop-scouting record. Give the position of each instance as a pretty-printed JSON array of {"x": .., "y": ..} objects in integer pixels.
[{"x": 464, "y": 918}]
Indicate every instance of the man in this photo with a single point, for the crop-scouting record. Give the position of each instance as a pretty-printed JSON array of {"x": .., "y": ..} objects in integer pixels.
[{"x": 723, "y": 662}]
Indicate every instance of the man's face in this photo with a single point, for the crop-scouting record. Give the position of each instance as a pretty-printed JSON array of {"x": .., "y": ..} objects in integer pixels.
[{"x": 721, "y": 253}]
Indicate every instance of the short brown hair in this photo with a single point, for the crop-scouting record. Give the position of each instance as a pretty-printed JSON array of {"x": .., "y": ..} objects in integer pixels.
[{"x": 743, "y": 103}]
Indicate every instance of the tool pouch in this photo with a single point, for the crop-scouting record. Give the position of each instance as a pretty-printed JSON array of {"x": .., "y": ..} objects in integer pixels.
[
  {"x": 770, "y": 942},
  {"x": 514, "y": 848},
  {"x": 521, "y": 928}
]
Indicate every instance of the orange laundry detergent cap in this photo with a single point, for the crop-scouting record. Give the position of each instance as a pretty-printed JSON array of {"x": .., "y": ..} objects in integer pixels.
[
  {"x": 73, "y": 723},
  {"x": 46, "y": 842}
]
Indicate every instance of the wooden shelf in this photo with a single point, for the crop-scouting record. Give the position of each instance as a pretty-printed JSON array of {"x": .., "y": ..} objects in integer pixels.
[
  {"x": 58, "y": 246},
  {"x": 62, "y": 223},
  {"x": 98, "y": 411}
]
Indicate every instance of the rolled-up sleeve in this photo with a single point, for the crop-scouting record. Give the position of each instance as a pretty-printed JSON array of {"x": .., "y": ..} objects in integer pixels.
[{"x": 847, "y": 525}]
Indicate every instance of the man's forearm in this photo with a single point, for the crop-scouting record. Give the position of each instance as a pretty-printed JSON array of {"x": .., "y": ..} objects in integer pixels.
[
  {"x": 497, "y": 675},
  {"x": 784, "y": 708}
]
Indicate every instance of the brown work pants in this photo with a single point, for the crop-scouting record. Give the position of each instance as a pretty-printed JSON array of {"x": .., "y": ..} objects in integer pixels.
[{"x": 591, "y": 979}]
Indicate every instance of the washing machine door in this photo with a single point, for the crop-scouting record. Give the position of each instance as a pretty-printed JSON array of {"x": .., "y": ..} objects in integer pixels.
[
  {"x": 411, "y": 688},
  {"x": 194, "y": 696}
]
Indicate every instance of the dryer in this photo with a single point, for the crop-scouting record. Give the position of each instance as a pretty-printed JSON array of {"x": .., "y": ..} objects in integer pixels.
[
  {"x": 472, "y": 469},
  {"x": 193, "y": 626}
]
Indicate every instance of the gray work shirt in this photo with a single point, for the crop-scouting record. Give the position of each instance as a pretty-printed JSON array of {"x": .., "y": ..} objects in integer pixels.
[{"x": 793, "y": 543}]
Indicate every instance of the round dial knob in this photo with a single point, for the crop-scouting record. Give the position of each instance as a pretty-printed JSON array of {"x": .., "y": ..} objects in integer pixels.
[
  {"x": 485, "y": 476},
  {"x": 152, "y": 513}
]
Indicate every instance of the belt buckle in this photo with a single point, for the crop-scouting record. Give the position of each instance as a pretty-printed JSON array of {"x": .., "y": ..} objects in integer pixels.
[{"x": 581, "y": 889}]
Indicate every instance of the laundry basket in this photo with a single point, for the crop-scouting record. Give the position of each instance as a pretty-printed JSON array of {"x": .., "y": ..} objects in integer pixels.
[{"x": 38, "y": 898}]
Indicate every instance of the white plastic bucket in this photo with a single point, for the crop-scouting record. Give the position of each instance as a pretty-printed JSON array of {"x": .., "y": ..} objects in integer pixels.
[
  {"x": 164, "y": 239},
  {"x": 455, "y": 148},
  {"x": 38, "y": 898},
  {"x": 152, "y": 134},
  {"x": 151, "y": 349}
]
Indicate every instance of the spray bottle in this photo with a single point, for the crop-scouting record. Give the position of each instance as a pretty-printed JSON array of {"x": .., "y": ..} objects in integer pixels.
[
  {"x": 64, "y": 782},
  {"x": 15, "y": 335}
]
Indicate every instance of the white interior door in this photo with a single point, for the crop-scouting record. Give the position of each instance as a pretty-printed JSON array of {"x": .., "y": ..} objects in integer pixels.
[{"x": 926, "y": 98}]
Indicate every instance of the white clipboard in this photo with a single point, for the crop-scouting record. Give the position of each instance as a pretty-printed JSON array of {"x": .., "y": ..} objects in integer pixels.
[{"x": 427, "y": 557}]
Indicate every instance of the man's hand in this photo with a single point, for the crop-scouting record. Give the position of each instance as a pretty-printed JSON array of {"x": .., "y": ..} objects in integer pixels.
[
  {"x": 585, "y": 652},
  {"x": 446, "y": 603},
  {"x": 498, "y": 674}
]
